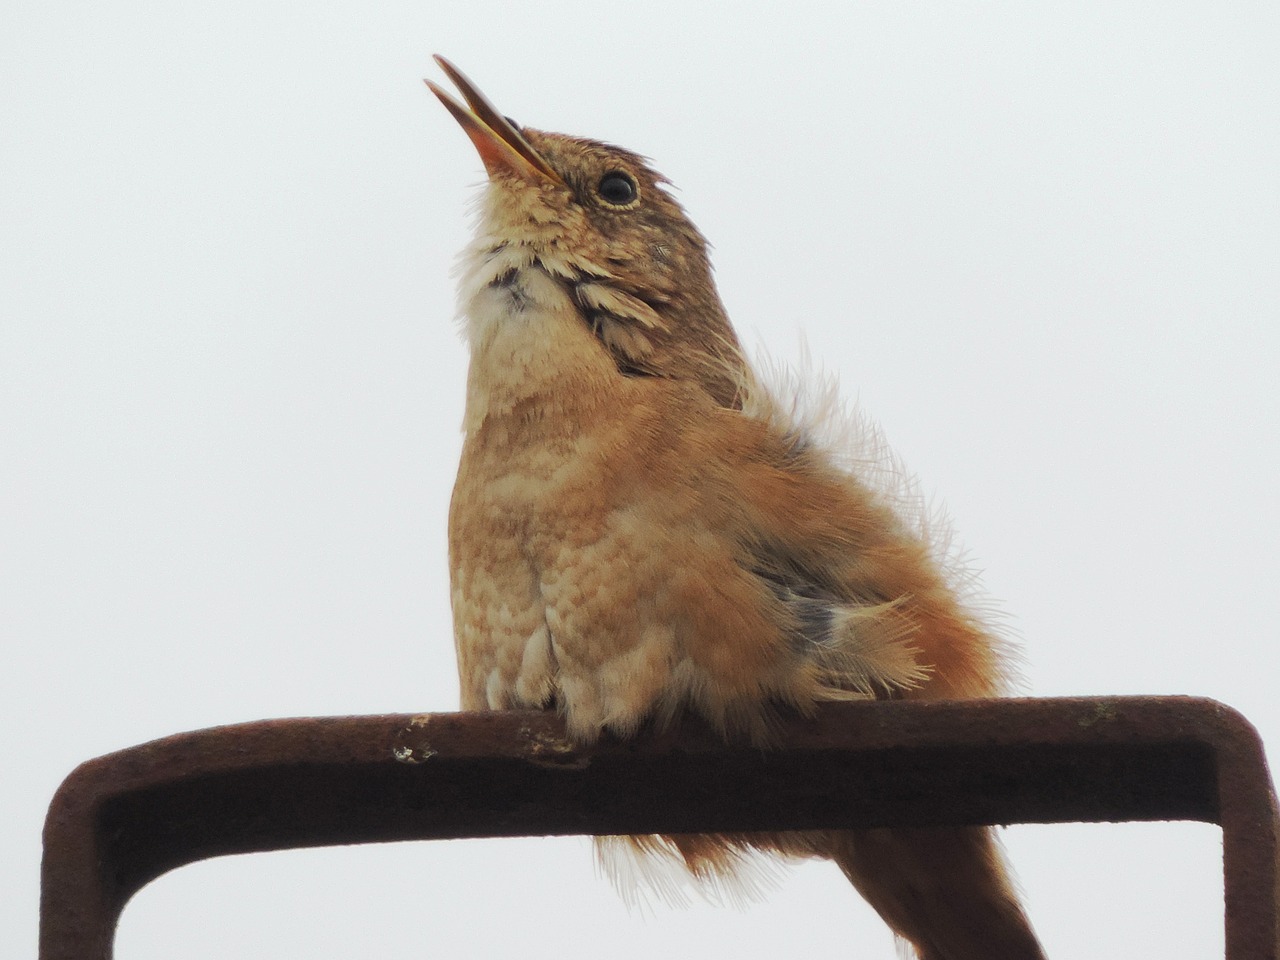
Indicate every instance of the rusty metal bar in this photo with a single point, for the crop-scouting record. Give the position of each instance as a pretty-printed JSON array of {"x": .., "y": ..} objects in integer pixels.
[{"x": 121, "y": 820}]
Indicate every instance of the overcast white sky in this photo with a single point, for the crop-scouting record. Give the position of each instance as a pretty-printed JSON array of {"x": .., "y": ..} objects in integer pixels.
[{"x": 1038, "y": 242}]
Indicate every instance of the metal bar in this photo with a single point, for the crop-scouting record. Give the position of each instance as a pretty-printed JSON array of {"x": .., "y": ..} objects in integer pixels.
[{"x": 119, "y": 821}]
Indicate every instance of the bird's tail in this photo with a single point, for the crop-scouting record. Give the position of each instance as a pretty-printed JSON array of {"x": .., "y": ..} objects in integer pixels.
[{"x": 944, "y": 890}]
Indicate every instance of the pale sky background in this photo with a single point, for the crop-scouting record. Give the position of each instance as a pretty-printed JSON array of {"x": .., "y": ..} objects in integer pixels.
[{"x": 1039, "y": 243}]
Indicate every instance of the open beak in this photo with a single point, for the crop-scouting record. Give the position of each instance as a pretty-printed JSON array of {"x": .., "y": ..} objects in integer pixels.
[{"x": 502, "y": 147}]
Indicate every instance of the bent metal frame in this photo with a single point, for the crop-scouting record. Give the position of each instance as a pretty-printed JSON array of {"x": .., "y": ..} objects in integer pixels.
[{"x": 122, "y": 820}]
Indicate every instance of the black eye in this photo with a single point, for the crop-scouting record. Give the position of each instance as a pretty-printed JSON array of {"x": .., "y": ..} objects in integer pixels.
[{"x": 617, "y": 188}]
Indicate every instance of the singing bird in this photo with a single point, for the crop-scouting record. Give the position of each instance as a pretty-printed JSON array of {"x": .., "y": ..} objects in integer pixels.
[{"x": 641, "y": 531}]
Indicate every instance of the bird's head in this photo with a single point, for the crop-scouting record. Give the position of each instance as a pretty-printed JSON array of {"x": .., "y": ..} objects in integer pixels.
[{"x": 597, "y": 219}]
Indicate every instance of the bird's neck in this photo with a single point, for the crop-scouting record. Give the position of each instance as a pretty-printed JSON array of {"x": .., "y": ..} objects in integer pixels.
[{"x": 536, "y": 368}]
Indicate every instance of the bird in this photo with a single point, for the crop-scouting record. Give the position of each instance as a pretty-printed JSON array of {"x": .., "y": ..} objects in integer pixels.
[{"x": 641, "y": 530}]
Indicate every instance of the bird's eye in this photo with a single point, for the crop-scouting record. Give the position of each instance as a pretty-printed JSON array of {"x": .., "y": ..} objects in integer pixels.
[{"x": 617, "y": 188}]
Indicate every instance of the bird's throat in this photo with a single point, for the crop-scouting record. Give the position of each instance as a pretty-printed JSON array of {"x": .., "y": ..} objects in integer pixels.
[{"x": 536, "y": 369}]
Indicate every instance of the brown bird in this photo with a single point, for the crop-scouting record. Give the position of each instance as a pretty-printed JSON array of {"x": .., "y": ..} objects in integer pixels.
[{"x": 640, "y": 531}]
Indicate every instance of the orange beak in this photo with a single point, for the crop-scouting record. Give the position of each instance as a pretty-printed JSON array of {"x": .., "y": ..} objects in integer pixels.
[{"x": 502, "y": 147}]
